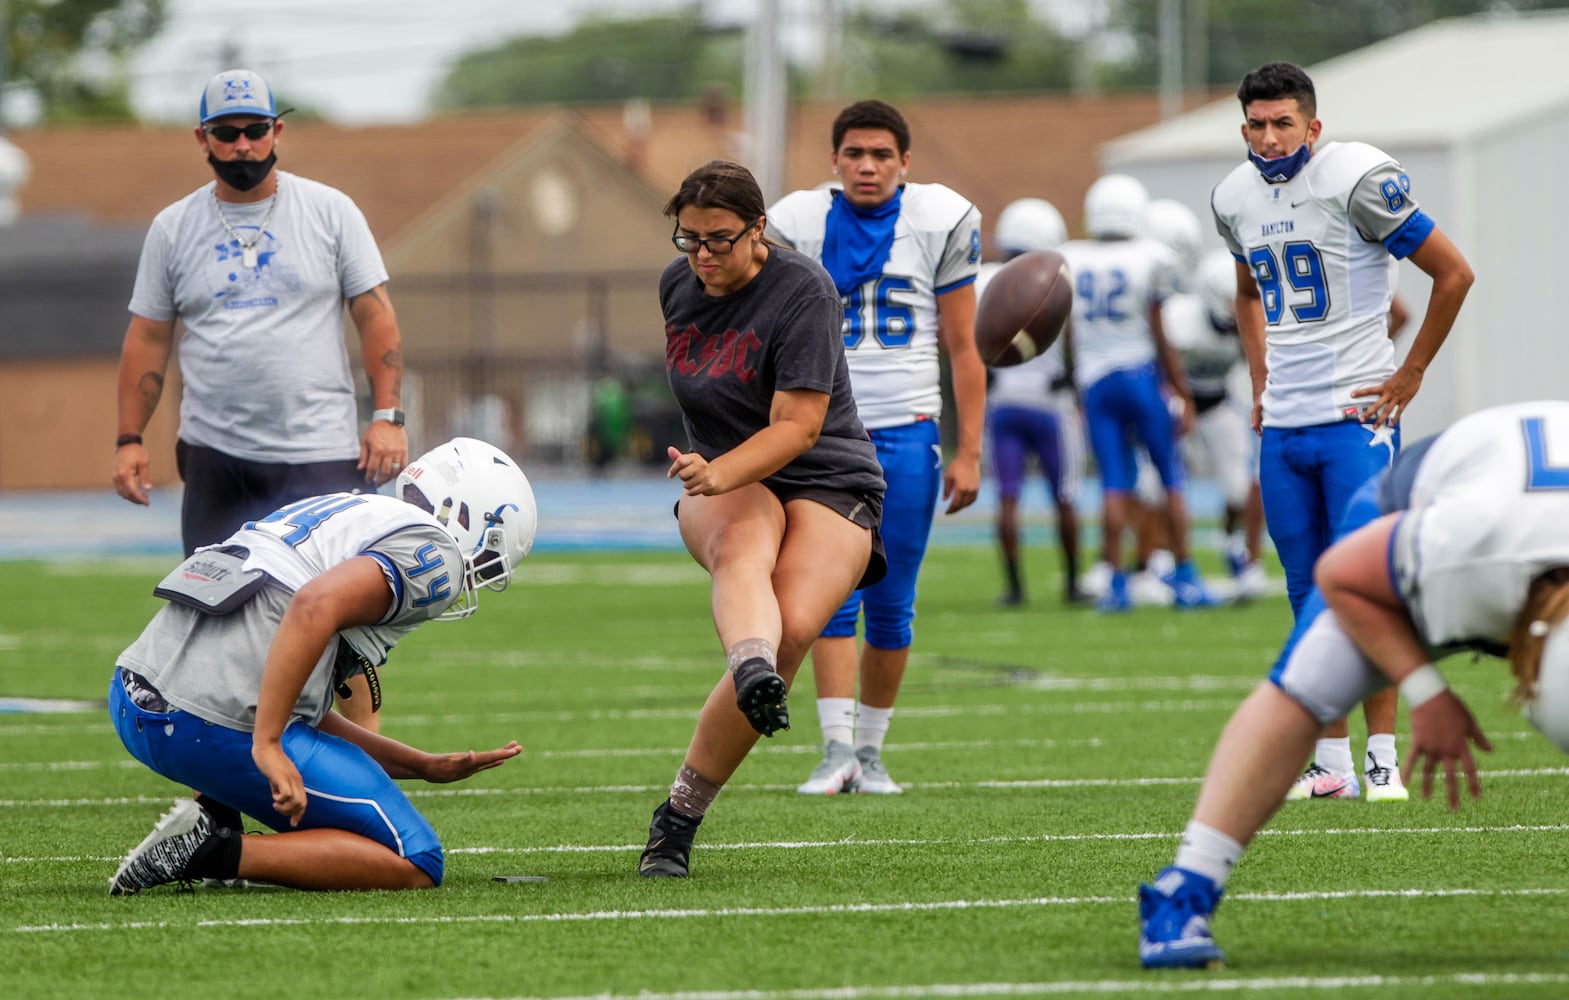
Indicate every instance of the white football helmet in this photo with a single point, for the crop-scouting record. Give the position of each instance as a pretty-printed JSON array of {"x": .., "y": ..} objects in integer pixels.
[
  {"x": 1217, "y": 286},
  {"x": 1172, "y": 223},
  {"x": 1028, "y": 224},
  {"x": 1548, "y": 709},
  {"x": 1114, "y": 206},
  {"x": 485, "y": 502}
]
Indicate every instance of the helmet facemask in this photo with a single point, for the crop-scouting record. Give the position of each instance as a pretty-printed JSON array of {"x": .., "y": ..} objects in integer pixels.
[{"x": 484, "y": 501}]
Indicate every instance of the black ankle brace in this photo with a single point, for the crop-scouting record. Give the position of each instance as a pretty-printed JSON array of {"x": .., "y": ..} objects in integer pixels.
[{"x": 218, "y": 857}]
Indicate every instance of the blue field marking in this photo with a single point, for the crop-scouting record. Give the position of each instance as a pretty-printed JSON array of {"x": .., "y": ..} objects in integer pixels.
[{"x": 576, "y": 513}]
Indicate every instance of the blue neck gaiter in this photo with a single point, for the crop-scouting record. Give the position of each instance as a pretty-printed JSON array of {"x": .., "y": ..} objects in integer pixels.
[
  {"x": 1281, "y": 168},
  {"x": 857, "y": 242}
]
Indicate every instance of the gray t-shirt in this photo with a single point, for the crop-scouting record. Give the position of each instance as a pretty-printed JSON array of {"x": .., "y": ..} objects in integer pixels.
[
  {"x": 726, "y": 356},
  {"x": 263, "y": 359}
]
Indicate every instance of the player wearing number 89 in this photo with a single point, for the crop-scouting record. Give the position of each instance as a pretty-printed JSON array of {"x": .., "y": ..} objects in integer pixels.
[
  {"x": 1316, "y": 232},
  {"x": 1121, "y": 362}
]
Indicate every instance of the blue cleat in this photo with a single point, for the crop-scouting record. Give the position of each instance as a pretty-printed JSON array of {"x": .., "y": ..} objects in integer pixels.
[
  {"x": 1188, "y": 587},
  {"x": 1116, "y": 598},
  {"x": 1174, "y": 917}
]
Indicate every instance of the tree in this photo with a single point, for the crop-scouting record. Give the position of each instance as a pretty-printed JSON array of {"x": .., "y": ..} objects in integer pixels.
[
  {"x": 1244, "y": 34},
  {"x": 673, "y": 56},
  {"x": 74, "y": 53},
  {"x": 968, "y": 46}
]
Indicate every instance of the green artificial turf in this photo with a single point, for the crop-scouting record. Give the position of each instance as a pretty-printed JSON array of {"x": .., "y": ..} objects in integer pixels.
[{"x": 1051, "y": 758}]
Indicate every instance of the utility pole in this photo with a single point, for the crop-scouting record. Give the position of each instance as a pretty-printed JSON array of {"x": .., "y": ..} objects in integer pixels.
[
  {"x": 1170, "y": 58},
  {"x": 1197, "y": 49},
  {"x": 830, "y": 78},
  {"x": 766, "y": 99},
  {"x": 5, "y": 50}
]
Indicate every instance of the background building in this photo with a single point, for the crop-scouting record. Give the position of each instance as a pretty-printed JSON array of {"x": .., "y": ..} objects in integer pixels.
[{"x": 1477, "y": 109}]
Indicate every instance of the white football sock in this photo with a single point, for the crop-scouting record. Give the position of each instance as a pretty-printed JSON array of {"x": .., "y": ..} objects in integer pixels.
[
  {"x": 1382, "y": 747},
  {"x": 836, "y": 716},
  {"x": 871, "y": 725},
  {"x": 1334, "y": 754},
  {"x": 1209, "y": 852}
]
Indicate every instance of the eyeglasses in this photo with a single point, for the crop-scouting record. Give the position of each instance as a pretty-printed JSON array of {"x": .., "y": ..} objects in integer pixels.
[
  {"x": 717, "y": 245},
  {"x": 231, "y": 133}
]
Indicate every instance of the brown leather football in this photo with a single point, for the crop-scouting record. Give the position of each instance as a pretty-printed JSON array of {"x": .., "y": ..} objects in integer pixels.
[{"x": 1024, "y": 308}]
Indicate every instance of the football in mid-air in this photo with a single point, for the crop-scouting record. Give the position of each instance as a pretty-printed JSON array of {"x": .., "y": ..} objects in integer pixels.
[{"x": 1024, "y": 308}]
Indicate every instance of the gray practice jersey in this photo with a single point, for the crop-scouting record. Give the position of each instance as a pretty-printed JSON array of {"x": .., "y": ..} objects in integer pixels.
[
  {"x": 726, "y": 356},
  {"x": 263, "y": 360},
  {"x": 211, "y": 666}
]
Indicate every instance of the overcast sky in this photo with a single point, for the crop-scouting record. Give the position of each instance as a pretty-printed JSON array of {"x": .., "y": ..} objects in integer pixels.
[{"x": 379, "y": 60}]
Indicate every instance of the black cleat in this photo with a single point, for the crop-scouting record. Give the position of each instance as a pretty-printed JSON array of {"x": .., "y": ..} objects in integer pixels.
[
  {"x": 760, "y": 695},
  {"x": 669, "y": 850}
]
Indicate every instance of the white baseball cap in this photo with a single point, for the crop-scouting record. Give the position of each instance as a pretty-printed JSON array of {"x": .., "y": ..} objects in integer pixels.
[{"x": 237, "y": 92}]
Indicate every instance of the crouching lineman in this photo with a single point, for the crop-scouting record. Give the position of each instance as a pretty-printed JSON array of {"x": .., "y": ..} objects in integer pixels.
[
  {"x": 228, "y": 690},
  {"x": 1461, "y": 544}
]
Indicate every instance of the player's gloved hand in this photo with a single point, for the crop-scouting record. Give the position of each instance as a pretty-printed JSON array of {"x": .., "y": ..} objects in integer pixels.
[
  {"x": 441, "y": 768},
  {"x": 1442, "y": 729}
]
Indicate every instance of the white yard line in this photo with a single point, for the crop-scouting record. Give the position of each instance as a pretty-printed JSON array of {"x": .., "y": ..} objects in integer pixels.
[
  {"x": 878, "y": 842},
  {"x": 444, "y": 793},
  {"x": 689, "y": 713},
  {"x": 731, "y": 912},
  {"x": 1154, "y": 983}
]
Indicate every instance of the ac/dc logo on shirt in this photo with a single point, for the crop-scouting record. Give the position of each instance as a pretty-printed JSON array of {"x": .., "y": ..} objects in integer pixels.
[{"x": 691, "y": 352}]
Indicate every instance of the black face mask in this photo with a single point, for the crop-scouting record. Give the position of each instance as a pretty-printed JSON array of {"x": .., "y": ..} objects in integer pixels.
[{"x": 242, "y": 175}]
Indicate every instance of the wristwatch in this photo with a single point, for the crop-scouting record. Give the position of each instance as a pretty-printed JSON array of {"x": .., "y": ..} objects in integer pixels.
[{"x": 393, "y": 417}]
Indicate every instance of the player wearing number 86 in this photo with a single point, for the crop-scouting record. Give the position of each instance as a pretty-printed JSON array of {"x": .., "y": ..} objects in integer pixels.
[
  {"x": 1316, "y": 231},
  {"x": 903, "y": 257}
]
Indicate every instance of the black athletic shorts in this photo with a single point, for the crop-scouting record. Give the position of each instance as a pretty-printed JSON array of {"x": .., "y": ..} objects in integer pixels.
[
  {"x": 223, "y": 492},
  {"x": 866, "y": 511}
]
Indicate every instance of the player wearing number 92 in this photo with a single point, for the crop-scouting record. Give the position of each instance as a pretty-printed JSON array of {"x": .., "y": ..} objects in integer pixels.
[
  {"x": 228, "y": 688},
  {"x": 1462, "y": 545}
]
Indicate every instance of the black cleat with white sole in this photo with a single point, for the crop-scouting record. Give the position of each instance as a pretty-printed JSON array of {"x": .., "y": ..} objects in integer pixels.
[{"x": 166, "y": 854}]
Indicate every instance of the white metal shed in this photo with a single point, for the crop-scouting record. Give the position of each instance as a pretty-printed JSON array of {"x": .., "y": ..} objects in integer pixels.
[{"x": 1477, "y": 111}]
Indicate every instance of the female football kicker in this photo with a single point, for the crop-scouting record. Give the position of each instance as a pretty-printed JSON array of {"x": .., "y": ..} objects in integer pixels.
[
  {"x": 1462, "y": 544},
  {"x": 781, "y": 493}
]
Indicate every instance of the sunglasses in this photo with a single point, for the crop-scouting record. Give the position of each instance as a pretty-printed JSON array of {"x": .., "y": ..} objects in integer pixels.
[{"x": 231, "y": 133}]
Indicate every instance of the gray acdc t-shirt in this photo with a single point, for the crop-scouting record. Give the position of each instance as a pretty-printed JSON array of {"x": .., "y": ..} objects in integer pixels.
[
  {"x": 263, "y": 359},
  {"x": 726, "y": 356}
]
